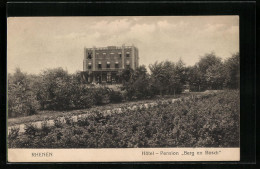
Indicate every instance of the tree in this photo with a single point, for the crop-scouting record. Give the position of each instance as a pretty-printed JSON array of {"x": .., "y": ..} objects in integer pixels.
[
  {"x": 207, "y": 71},
  {"x": 54, "y": 89},
  {"x": 158, "y": 76},
  {"x": 21, "y": 99},
  {"x": 232, "y": 72},
  {"x": 136, "y": 83},
  {"x": 194, "y": 78},
  {"x": 141, "y": 83},
  {"x": 207, "y": 61},
  {"x": 168, "y": 77},
  {"x": 78, "y": 77},
  {"x": 179, "y": 76},
  {"x": 215, "y": 76},
  {"x": 127, "y": 74},
  {"x": 140, "y": 72}
]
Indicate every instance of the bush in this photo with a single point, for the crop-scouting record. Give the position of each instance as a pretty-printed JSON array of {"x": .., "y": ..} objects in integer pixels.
[
  {"x": 193, "y": 122},
  {"x": 115, "y": 96},
  {"x": 101, "y": 95},
  {"x": 21, "y": 99},
  {"x": 137, "y": 84},
  {"x": 61, "y": 91},
  {"x": 55, "y": 89},
  {"x": 82, "y": 97}
]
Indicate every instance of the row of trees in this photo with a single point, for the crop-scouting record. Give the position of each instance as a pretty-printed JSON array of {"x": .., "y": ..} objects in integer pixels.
[
  {"x": 56, "y": 89},
  {"x": 170, "y": 78},
  {"x": 211, "y": 73}
]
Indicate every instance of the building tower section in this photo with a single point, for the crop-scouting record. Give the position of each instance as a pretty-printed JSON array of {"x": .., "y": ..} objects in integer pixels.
[{"x": 106, "y": 64}]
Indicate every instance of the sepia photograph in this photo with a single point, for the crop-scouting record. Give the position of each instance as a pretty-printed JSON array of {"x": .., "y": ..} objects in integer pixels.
[{"x": 140, "y": 88}]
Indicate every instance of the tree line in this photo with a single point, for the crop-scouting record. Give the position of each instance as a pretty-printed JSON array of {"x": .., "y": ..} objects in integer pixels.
[
  {"x": 56, "y": 89},
  {"x": 210, "y": 73}
]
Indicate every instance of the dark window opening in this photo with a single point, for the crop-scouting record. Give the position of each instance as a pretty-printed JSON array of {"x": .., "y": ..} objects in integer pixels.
[
  {"x": 99, "y": 66},
  {"x": 89, "y": 55},
  {"x": 108, "y": 65},
  {"x": 89, "y": 66},
  {"x": 108, "y": 77},
  {"x": 127, "y": 55},
  {"x": 116, "y": 65},
  {"x": 120, "y": 55}
]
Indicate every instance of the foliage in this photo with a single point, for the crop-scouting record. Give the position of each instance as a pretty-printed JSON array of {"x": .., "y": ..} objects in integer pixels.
[
  {"x": 232, "y": 72},
  {"x": 208, "y": 121},
  {"x": 136, "y": 83},
  {"x": 167, "y": 77},
  {"x": 21, "y": 99},
  {"x": 115, "y": 96},
  {"x": 101, "y": 95},
  {"x": 81, "y": 96},
  {"x": 208, "y": 60},
  {"x": 195, "y": 79},
  {"x": 56, "y": 89},
  {"x": 214, "y": 76},
  {"x": 211, "y": 73},
  {"x": 207, "y": 73},
  {"x": 127, "y": 74}
]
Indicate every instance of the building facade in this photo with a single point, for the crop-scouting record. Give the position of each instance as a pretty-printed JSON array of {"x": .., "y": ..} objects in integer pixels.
[{"x": 105, "y": 64}]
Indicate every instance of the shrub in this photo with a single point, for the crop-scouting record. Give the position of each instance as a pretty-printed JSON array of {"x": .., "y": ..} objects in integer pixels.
[
  {"x": 13, "y": 133},
  {"x": 115, "y": 96},
  {"x": 101, "y": 95},
  {"x": 21, "y": 99},
  {"x": 57, "y": 123},
  {"x": 55, "y": 89},
  {"x": 61, "y": 91},
  {"x": 30, "y": 130},
  {"x": 137, "y": 84},
  {"x": 82, "y": 97},
  {"x": 201, "y": 122}
]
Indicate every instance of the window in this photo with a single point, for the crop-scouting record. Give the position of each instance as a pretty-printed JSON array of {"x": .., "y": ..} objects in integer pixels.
[
  {"x": 112, "y": 54},
  {"x": 127, "y": 64},
  {"x": 127, "y": 54},
  {"x": 89, "y": 65},
  {"x": 108, "y": 77},
  {"x": 99, "y": 65},
  {"x": 116, "y": 65},
  {"x": 120, "y": 55},
  {"x": 108, "y": 64},
  {"x": 89, "y": 55}
]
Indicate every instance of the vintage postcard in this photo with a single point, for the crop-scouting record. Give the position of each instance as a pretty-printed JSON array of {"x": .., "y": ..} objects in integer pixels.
[{"x": 123, "y": 88}]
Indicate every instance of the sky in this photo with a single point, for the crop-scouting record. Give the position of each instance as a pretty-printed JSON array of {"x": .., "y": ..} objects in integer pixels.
[{"x": 35, "y": 44}]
